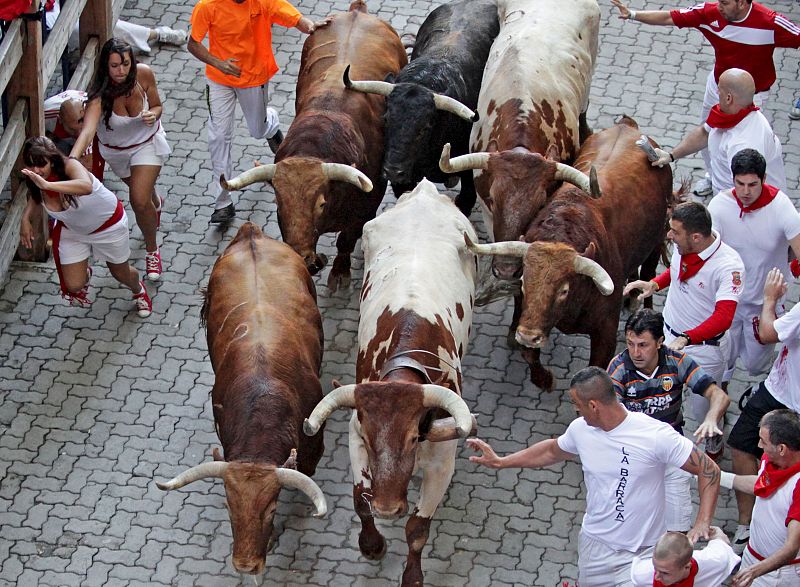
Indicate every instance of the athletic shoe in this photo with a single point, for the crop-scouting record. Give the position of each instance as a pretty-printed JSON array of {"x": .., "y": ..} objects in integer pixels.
[
  {"x": 223, "y": 215},
  {"x": 144, "y": 306},
  {"x": 740, "y": 539},
  {"x": 275, "y": 141},
  {"x": 153, "y": 266},
  {"x": 158, "y": 211},
  {"x": 171, "y": 36},
  {"x": 794, "y": 113},
  {"x": 715, "y": 447},
  {"x": 702, "y": 187}
]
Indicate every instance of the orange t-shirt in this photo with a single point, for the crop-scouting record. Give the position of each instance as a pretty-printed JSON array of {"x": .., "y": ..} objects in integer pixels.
[{"x": 244, "y": 32}]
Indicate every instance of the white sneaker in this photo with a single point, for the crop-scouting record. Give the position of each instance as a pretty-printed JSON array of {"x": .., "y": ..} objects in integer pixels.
[
  {"x": 794, "y": 112},
  {"x": 171, "y": 36},
  {"x": 740, "y": 539},
  {"x": 702, "y": 187}
]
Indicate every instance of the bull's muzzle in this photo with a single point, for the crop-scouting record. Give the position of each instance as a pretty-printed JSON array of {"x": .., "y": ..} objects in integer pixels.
[
  {"x": 531, "y": 338},
  {"x": 314, "y": 262},
  {"x": 388, "y": 510},
  {"x": 507, "y": 268},
  {"x": 249, "y": 565},
  {"x": 396, "y": 174}
]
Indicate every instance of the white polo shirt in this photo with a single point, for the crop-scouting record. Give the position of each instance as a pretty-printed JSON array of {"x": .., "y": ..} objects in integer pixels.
[
  {"x": 760, "y": 237},
  {"x": 714, "y": 563},
  {"x": 783, "y": 381},
  {"x": 768, "y": 529},
  {"x": 624, "y": 474},
  {"x": 753, "y": 132},
  {"x": 691, "y": 302}
]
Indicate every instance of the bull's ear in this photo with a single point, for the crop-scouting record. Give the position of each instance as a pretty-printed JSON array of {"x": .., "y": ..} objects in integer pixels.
[
  {"x": 335, "y": 383},
  {"x": 389, "y": 78},
  {"x": 590, "y": 251}
]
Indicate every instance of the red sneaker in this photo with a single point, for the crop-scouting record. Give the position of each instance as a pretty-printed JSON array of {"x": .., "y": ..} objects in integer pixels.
[
  {"x": 144, "y": 306},
  {"x": 153, "y": 265}
]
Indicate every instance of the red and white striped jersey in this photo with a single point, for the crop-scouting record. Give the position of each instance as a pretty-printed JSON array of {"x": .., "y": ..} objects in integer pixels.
[{"x": 747, "y": 44}]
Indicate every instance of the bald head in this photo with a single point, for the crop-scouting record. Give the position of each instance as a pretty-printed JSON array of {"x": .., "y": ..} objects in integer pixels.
[
  {"x": 71, "y": 116},
  {"x": 738, "y": 87}
]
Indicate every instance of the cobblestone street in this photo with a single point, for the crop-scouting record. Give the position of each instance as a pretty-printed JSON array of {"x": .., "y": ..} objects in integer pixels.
[{"x": 96, "y": 403}]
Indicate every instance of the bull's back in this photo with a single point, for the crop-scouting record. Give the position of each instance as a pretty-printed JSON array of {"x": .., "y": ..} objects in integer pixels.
[
  {"x": 537, "y": 77},
  {"x": 370, "y": 46},
  {"x": 635, "y": 194},
  {"x": 260, "y": 295},
  {"x": 417, "y": 266}
]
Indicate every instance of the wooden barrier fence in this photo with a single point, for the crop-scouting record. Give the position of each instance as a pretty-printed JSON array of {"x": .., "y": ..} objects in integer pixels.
[{"x": 26, "y": 68}]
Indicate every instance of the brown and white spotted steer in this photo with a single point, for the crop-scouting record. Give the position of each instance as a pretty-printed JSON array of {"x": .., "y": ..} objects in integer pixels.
[{"x": 416, "y": 314}]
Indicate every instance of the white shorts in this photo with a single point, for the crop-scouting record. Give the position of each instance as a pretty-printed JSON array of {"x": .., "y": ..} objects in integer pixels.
[
  {"x": 678, "y": 510},
  {"x": 788, "y": 576},
  {"x": 600, "y": 565},
  {"x": 153, "y": 152},
  {"x": 111, "y": 245},
  {"x": 757, "y": 358}
]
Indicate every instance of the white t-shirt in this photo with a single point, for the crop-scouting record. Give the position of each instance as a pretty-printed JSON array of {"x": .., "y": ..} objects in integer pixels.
[
  {"x": 691, "y": 302},
  {"x": 714, "y": 563},
  {"x": 783, "y": 381},
  {"x": 760, "y": 237},
  {"x": 753, "y": 132},
  {"x": 52, "y": 105},
  {"x": 768, "y": 530},
  {"x": 624, "y": 474},
  {"x": 92, "y": 211}
]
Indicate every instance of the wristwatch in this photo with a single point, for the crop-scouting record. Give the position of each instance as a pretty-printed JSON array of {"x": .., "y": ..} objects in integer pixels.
[{"x": 687, "y": 337}]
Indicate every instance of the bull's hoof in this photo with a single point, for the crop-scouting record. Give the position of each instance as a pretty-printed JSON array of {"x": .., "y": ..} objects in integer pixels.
[
  {"x": 511, "y": 340},
  {"x": 412, "y": 577},
  {"x": 543, "y": 379},
  {"x": 338, "y": 280},
  {"x": 372, "y": 546}
]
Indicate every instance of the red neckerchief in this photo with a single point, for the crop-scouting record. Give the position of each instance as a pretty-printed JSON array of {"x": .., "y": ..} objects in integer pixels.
[
  {"x": 771, "y": 478},
  {"x": 690, "y": 264},
  {"x": 719, "y": 119},
  {"x": 768, "y": 193},
  {"x": 687, "y": 582}
]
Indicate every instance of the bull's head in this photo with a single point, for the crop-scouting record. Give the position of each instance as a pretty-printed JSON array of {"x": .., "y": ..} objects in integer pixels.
[
  {"x": 392, "y": 418},
  {"x": 251, "y": 491},
  {"x": 302, "y": 186},
  {"x": 411, "y": 114},
  {"x": 521, "y": 184},
  {"x": 550, "y": 271}
]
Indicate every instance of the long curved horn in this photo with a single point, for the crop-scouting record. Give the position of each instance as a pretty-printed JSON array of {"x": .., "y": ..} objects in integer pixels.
[
  {"x": 366, "y": 87},
  {"x": 342, "y": 172},
  {"x": 201, "y": 471},
  {"x": 508, "y": 248},
  {"x": 573, "y": 176},
  {"x": 341, "y": 397},
  {"x": 599, "y": 275},
  {"x": 260, "y": 173},
  {"x": 594, "y": 183},
  {"x": 462, "y": 163},
  {"x": 436, "y": 396},
  {"x": 453, "y": 106},
  {"x": 296, "y": 480}
]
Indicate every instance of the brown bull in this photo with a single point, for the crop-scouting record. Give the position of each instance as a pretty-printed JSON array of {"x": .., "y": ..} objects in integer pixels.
[
  {"x": 333, "y": 152},
  {"x": 581, "y": 247},
  {"x": 265, "y": 339}
]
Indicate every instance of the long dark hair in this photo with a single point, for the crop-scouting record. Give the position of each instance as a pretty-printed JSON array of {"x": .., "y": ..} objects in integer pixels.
[
  {"x": 37, "y": 152},
  {"x": 103, "y": 86}
]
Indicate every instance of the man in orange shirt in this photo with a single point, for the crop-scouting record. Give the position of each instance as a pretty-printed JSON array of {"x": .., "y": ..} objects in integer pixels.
[{"x": 239, "y": 63}]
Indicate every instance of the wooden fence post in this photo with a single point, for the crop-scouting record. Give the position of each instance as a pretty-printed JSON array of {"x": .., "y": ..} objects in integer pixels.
[{"x": 96, "y": 21}]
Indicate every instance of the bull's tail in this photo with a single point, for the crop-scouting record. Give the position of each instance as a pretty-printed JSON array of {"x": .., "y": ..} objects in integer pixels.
[{"x": 358, "y": 6}]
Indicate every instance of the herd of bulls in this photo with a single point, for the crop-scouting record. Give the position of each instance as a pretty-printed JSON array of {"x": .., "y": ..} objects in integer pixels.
[{"x": 501, "y": 86}]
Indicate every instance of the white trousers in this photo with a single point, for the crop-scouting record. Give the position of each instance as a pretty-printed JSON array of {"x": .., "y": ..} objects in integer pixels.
[
  {"x": 710, "y": 99},
  {"x": 678, "y": 510},
  {"x": 135, "y": 35},
  {"x": 262, "y": 122},
  {"x": 788, "y": 576},
  {"x": 600, "y": 565}
]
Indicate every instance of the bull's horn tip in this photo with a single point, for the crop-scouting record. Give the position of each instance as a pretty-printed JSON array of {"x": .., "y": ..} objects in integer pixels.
[
  {"x": 162, "y": 486},
  {"x": 223, "y": 182},
  {"x": 476, "y": 117},
  {"x": 346, "y": 76},
  {"x": 308, "y": 428},
  {"x": 366, "y": 186}
]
